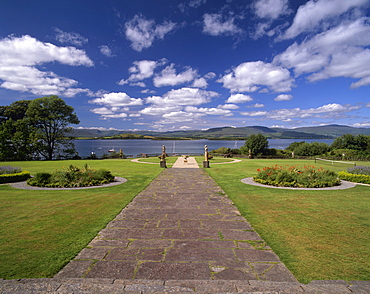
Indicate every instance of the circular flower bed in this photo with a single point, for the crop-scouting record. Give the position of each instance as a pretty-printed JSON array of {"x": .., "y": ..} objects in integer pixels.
[
  {"x": 72, "y": 177},
  {"x": 297, "y": 177}
]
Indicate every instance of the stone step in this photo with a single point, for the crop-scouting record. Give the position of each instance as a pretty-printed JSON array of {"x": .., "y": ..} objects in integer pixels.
[{"x": 106, "y": 286}]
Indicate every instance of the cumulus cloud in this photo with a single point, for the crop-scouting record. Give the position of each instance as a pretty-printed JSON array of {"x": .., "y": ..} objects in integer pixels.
[
  {"x": 283, "y": 97},
  {"x": 21, "y": 55},
  {"x": 105, "y": 50},
  {"x": 271, "y": 9},
  {"x": 250, "y": 76},
  {"x": 228, "y": 106},
  {"x": 209, "y": 111},
  {"x": 71, "y": 38},
  {"x": 239, "y": 98},
  {"x": 183, "y": 96},
  {"x": 314, "y": 12},
  {"x": 141, "y": 70},
  {"x": 217, "y": 24},
  {"x": 331, "y": 110},
  {"x": 117, "y": 99},
  {"x": 143, "y": 32},
  {"x": 338, "y": 52},
  {"x": 200, "y": 83},
  {"x": 169, "y": 77}
]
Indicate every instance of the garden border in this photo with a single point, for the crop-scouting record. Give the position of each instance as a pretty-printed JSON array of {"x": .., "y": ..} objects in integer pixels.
[
  {"x": 342, "y": 186},
  {"x": 23, "y": 185}
]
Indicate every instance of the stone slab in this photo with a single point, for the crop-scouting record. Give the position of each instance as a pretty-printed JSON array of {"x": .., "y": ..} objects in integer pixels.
[{"x": 173, "y": 271}]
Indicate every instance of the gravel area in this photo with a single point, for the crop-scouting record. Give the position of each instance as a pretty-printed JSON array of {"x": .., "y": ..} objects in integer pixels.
[
  {"x": 23, "y": 185},
  {"x": 343, "y": 185}
]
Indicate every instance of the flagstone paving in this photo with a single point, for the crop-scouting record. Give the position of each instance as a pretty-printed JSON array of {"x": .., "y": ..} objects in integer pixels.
[
  {"x": 181, "y": 227},
  {"x": 181, "y": 234}
]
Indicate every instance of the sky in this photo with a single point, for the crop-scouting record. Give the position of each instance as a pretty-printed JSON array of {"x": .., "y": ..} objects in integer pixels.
[{"x": 166, "y": 65}]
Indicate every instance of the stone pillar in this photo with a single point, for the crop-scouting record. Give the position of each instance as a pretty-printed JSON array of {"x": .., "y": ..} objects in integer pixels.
[{"x": 206, "y": 157}]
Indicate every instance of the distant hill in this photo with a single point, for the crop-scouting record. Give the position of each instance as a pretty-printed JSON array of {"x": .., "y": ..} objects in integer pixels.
[{"x": 231, "y": 133}]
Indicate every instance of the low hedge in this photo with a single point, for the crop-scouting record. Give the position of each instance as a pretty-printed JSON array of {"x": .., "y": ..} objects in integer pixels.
[
  {"x": 17, "y": 177},
  {"x": 354, "y": 177}
]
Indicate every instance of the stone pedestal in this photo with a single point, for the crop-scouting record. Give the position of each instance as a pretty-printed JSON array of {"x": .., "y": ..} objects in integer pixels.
[
  {"x": 205, "y": 164},
  {"x": 162, "y": 163}
]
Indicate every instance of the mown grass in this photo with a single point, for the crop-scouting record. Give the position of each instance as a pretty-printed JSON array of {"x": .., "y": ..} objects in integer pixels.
[
  {"x": 317, "y": 234},
  {"x": 42, "y": 230}
]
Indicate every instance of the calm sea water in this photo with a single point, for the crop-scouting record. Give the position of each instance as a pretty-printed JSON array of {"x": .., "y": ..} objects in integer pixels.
[{"x": 135, "y": 147}]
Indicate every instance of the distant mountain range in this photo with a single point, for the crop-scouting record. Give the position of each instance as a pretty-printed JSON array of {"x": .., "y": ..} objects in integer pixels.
[{"x": 229, "y": 133}]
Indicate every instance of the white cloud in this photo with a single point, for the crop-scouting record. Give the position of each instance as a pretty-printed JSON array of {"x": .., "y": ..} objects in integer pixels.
[
  {"x": 102, "y": 111},
  {"x": 249, "y": 76},
  {"x": 314, "y": 12},
  {"x": 217, "y": 24},
  {"x": 271, "y": 9},
  {"x": 258, "y": 105},
  {"x": 183, "y": 96},
  {"x": 209, "y": 111},
  {"x": 169, "y": 77},
  {"x": 157, "y": 110},
  {"x": 180, "y": 116},
  {"x": 21, "y": 55},
  {"x": 326, "y": 111},
  {"x": 361, "y": 125},
  {"x": 239, "y": 98},
  {"x": 143, "y": 32},
  {"x": 70, "y": 38},
  {"x": 200, "y": 83},
  {"x": 283, "y": 97},
  {"x": 117, "y": 99},
  {"x": 105, "y": 50},
  {"x": 228, "y": 106},
  {"x": 338, "y": 52}
]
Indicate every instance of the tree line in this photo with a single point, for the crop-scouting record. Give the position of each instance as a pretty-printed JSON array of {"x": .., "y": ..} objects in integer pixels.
[
  {"x": 37, "y": 129},
  {"x": 346, "y": 146}
]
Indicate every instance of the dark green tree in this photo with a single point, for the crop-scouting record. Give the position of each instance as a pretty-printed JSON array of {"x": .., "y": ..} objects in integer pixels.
[
  {"x": 257, "y": 144},
  {"x": 349, "y": 141},
  {"x": 16, "y": 140},
  {"x": 51, "y": 117}
]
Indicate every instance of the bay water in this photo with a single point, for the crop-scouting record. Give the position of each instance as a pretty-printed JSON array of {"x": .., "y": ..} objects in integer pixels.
[{"x": 134, "y": 148}]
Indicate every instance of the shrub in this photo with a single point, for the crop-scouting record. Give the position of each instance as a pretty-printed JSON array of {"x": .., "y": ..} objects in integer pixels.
[
  {"x": 357, "y": 178},
  {"x": 360, "y": 170},
  {"x": 294, "y": 176},
  {"x": 72, "y": 177},
  {"x": 16, "y": 177},
  {"x": 9, "y": 170}
]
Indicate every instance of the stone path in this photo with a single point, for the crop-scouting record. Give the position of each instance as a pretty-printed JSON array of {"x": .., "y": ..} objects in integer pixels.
[
  {"x": 181, "y": 226},
  {"x": 181, "y": 234}
]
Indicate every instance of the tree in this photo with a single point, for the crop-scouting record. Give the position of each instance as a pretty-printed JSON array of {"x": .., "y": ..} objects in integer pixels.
[
  {"x": 51, "y": 117},
  {"x": 257, "y": 144},
  {"x": 349, "y": 141},
  {"x": 16, "y": 140}
]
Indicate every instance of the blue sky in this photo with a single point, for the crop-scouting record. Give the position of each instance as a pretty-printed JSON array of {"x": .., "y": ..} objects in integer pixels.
[{"x": 193, "y": 64}]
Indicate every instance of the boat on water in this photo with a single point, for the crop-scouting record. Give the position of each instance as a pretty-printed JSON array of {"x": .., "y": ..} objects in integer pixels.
[{"x": 111, "y": 150}]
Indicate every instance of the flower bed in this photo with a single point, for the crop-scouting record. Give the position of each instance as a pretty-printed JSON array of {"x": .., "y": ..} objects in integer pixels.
[
  {"x": 298, "y": 177},
  {"x": 10, "y": 174},
  {"x": 357, "y": 174},
  {"x": 72, "y": 177}
]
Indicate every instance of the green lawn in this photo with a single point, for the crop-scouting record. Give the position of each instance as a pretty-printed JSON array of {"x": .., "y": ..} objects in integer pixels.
[
  {"x": 42, "y": 230},
  {"x": 317, "y": 234}
]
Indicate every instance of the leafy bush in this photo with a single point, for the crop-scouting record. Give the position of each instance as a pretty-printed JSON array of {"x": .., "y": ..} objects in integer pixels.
[
  {"x": 72, "y": 177},
  {"x": 294, "y": 176},
  {"x": 9, "y": 170},
  {"x": 360, "y": 170},
  {"x": 357, "y": 178},
  {"x": 16, "y": 177}
]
